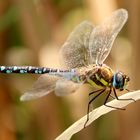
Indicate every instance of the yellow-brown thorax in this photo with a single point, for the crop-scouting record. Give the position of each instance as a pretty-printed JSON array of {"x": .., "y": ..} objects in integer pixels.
[{"x": 97, "y": 76}]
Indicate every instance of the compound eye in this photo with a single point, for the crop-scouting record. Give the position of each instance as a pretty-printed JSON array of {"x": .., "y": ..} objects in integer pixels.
[{"x": 119, "y": 78}]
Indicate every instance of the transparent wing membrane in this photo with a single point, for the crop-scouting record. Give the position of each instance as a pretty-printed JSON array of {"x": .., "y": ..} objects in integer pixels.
[
  {"x": 74, "y": 52},
  {"x": 43, "y": 86},
  {"x": 65, "y": 87},
  {"x": 47, "y": 84},
  {"x": 91, "y": 45},
  {"x": 103, "y": 36}
]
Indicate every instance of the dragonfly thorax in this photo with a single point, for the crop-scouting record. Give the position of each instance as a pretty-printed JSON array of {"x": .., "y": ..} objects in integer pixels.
[
  {"x": 120, "y": 80},
  {"x": 97, "y": 76}
]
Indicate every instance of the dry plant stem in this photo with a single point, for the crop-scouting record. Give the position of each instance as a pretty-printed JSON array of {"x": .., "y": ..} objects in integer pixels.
[{"x": 96, "y": 113}]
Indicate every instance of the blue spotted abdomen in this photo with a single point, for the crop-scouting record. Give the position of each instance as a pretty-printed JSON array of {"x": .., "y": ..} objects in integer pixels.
[
  {"x": 68, "y": 74},
  {"x": 25, "y": 69}
]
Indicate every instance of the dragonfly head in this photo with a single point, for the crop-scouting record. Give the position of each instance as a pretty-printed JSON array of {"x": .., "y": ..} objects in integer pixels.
[{"x": 120, "y": 80}]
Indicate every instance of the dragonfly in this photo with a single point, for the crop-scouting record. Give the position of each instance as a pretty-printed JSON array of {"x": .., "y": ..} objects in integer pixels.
[{"x": 83, "y": 55}]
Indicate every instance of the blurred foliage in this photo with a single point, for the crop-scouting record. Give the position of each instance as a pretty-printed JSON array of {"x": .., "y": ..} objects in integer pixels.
[{"x": 8, "y": 18}]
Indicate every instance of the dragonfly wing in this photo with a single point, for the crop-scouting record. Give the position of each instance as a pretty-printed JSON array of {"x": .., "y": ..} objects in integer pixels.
[
  {"x": 103, "y": 36},
  {"x": 74, "y": 52},
  {"x": 65, "y": 87},
  {"x": 43, "y": 86}
]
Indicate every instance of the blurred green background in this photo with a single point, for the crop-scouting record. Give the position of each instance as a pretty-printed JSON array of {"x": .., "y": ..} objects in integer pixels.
[{"x": 31, "y": 33}]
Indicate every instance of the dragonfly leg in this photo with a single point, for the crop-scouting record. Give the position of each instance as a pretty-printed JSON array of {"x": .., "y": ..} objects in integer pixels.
[
  {"x": 129, "y": 90},
  {"x": 122, "y": 99},
  {"x": 95, "y": 91},
  {"x": 112, "y": 96},
  {"x": 105, "y": 103},
  {"x": 88, "y": 109}
]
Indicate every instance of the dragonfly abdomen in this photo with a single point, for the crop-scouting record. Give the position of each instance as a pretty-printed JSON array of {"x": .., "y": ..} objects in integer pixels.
[
  {"x": 68, "y": 74},
  {"x": 25, "y": 69}
]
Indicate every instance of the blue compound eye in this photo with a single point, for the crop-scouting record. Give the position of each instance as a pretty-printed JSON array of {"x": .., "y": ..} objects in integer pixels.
[
  {"x": 119, "y": 78},
  {"x": 118, "y": 81}
]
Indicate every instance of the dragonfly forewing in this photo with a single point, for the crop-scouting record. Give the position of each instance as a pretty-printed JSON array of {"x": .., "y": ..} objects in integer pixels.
[
  {"x": 103, "y": 36},
  {"x": 74, "y": 53}
]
